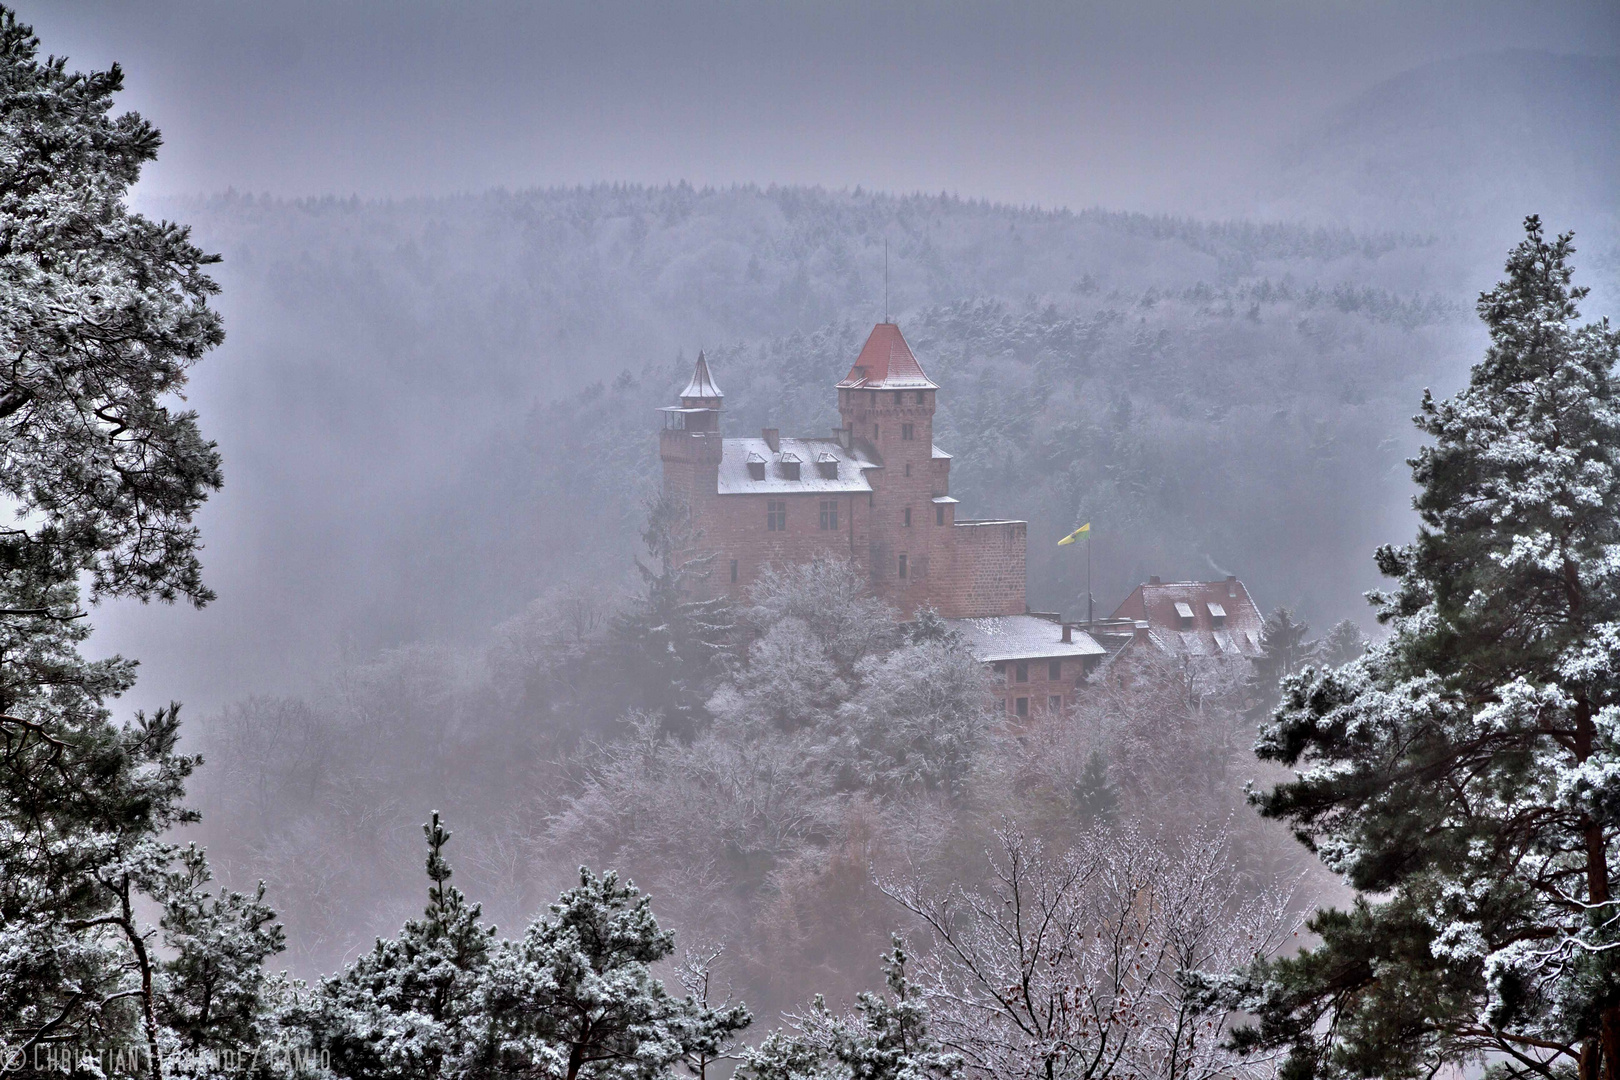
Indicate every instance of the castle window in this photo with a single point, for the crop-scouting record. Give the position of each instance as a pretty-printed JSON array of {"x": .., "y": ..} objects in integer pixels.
[
  {"x": 1054, "y": 670},
  {"x": 908, "y": 432},
  {"x": 899, "y": 397},
  {"x": 1054, "y": 704},
  {"x": 908, "y": 517},
  {"x": 874, "y": 433},
  {"x": 1022, "y": 674},
  {"x": 939, "y": 515},
  {"x": 776, "y": 516},
  {"x": 999, "y": 667},
  {"x": 921, "y": 399},
  {"x": 734, "y": 570},
  {"x": 908, "y": 464},
  {"x": 1022, "y": 707},
  {"x": 902, "y": 566},
  {"x": 829, "y": 513}
]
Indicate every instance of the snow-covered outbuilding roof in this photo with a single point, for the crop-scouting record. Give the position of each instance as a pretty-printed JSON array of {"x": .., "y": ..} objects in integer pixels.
[
  {"x": 1022, "y": 637},
  {"x": 846, "y": 466},
  {"x": 1197, "y": 618}
]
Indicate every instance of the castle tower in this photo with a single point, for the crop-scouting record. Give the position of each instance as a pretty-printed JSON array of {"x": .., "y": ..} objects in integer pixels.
[
  {"x": 886, "y": 403},
  {"x": 690, "y": 444}
]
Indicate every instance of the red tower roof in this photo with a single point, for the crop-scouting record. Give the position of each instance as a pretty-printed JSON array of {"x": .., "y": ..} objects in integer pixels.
[{"x": 886, "y": 362}]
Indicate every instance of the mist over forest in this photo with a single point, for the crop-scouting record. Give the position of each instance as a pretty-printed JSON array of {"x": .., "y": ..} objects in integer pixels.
[
  {"x": 1195, "y": 385},
  {"x": 440, "y": 547},
  {"x": 440, "y": 412}
]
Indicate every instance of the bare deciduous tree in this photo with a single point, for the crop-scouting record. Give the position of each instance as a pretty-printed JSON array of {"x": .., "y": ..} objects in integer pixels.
[{"x": 1095, "y": 963}]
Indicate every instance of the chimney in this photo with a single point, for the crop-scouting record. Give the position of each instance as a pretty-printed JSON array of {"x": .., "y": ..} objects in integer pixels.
[
  {"x": 1231, "y": 585},
  {"x": 1154, "y": 580},
  {"x": 1068, "y": 633},
  {"x": 842, "y": 435},
  {"x": 773, "y": 438}
]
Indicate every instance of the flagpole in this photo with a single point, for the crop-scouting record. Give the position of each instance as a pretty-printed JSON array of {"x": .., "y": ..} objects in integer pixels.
[{"x": 1084, "y": 530}]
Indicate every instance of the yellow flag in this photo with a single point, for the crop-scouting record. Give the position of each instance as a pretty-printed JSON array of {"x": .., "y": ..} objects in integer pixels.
[{"x": 1077, "y": 534}]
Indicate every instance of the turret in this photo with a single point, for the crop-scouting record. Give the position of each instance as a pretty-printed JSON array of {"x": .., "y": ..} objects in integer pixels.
[
  {"x": 701, "y": 393},
  {"x": 690, "y": 442}
]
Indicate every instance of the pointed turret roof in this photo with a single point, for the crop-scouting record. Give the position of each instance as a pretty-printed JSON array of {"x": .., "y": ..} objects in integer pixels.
[
  {"x": 886, "y": 362},
  {"x": 702, "y": 384}
]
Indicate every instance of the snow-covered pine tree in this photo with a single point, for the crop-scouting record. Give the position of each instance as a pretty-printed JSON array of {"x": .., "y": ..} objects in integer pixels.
[
  {"x": 575, "y": 999},
  {"x": 886, "y": 1038},
  {"x": 1342, "y": 644},
  {"x": 711, "y": 1039},
  {"x": 102, "y": 314},
  {"x": 413, "y": 1007},
  {"x": 675, "y": 640},
  {"x": 1283, "y": 651},
  {"x": 1464, "y": 775},
  {"x": 213, "y": 970},
  {"x": 929, "y": 626}
]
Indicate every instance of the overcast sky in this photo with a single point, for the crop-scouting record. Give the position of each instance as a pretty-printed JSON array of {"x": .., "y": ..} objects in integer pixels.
[{"x": 1145, "y": 105}]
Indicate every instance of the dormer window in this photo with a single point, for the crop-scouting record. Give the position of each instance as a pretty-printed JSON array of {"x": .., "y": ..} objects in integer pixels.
[
  {"x": 756, "y": 466},
  {"x": 790, "y": 466},
  {"x": 827, "y": 466},
  {"x": 1185, "y": 612},
  {"x": 1217, "y": 613}
]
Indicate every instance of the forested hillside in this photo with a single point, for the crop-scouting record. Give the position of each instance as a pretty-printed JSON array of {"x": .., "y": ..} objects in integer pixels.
[
  {"x": 431, "y": 407},
  {"x": 1208, "y": 430}
]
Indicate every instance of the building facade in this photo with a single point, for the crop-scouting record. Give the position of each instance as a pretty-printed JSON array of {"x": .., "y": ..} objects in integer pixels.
[
  {"x": 876, "y": 491},
  {"x": 1037, "y": 662}
]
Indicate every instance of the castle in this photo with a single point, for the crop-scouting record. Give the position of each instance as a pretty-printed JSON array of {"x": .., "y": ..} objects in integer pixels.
[{"x": 876, "y": 492}]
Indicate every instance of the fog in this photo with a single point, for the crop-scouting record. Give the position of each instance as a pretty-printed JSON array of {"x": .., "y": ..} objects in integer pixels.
[
  {"x": 1154, "y": 106},
  {"x": 1395, "y": 119},
  {"x": 1182, "y": 271}
]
